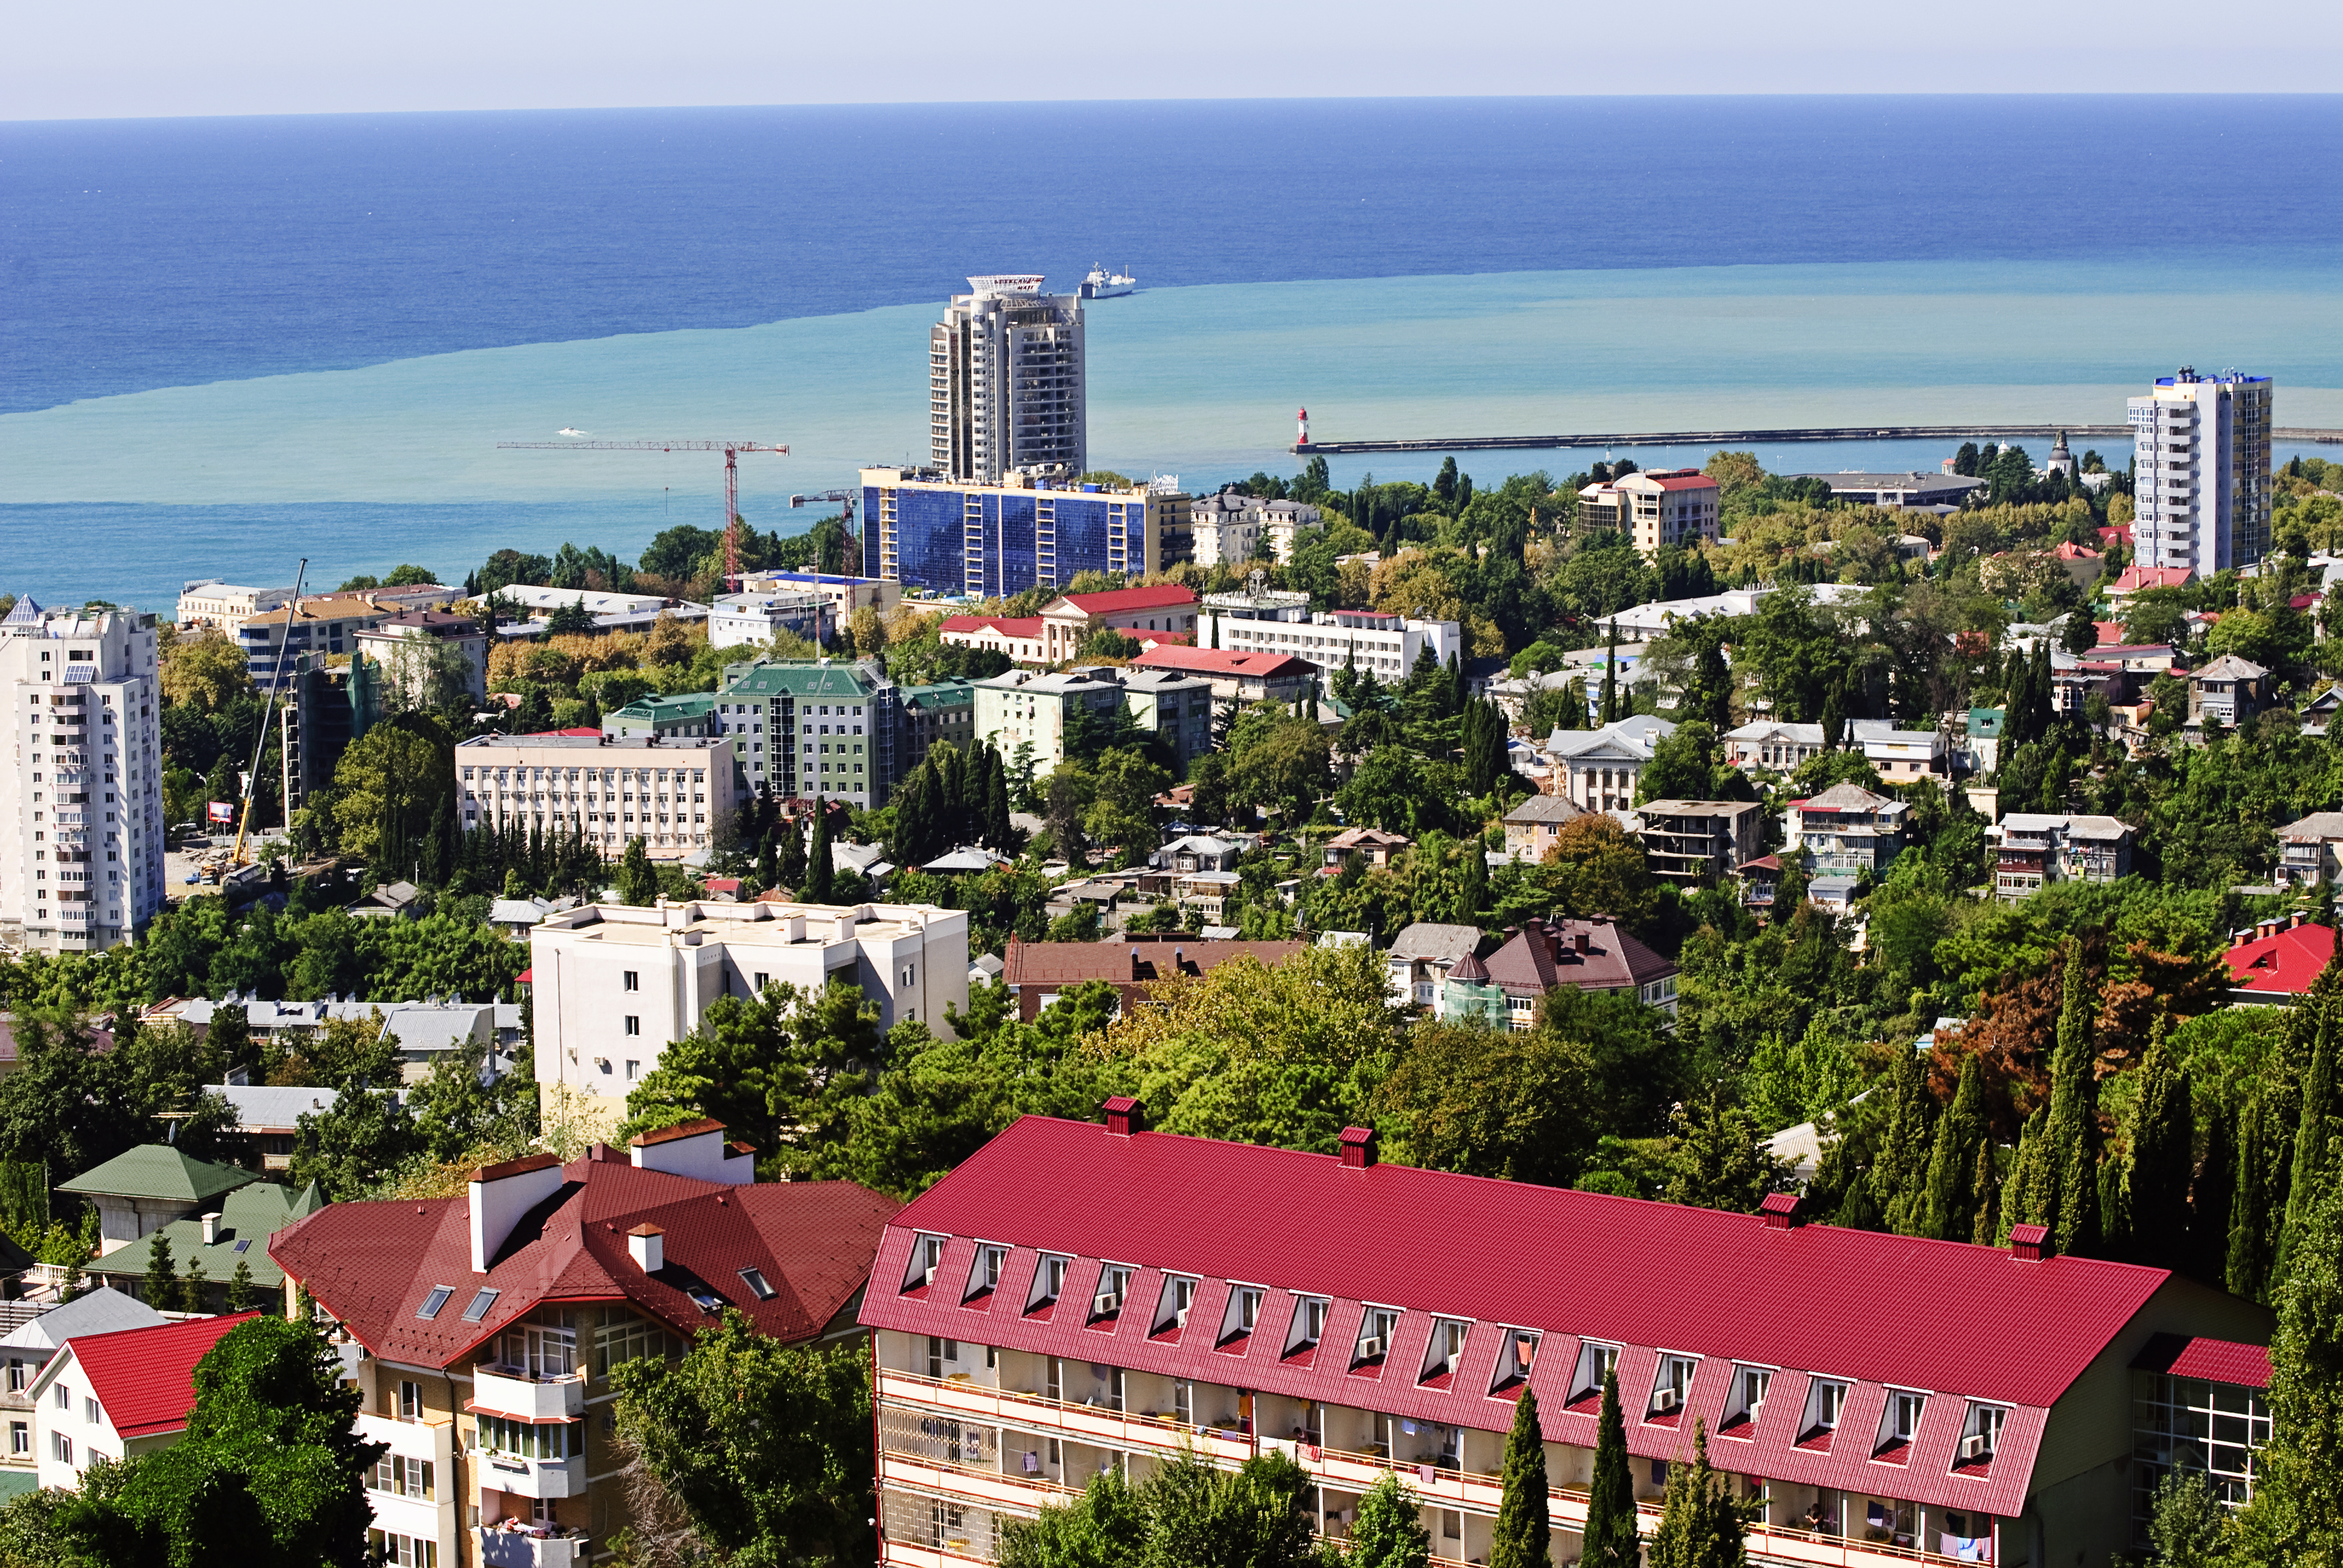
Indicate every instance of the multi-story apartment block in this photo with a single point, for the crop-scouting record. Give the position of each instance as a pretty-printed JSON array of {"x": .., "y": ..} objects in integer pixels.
[
  {"x": 2032, "y": 850},
  {"x": 845, "y": 594},
  {"x": 1022, "y": 708},
  {"x": 825, "y": 728},
  {"x": 1847, "y": 829},
  {"x": 404, "y": 646},
  {"x": 1239, "y": 679},
  {"x": 945, "y": 712},
  {"x": 2228, "y": 689},
  {"x": 81, "y": 795},
  {"x": 1260, "y": 621},
  {"x": 224, "y": 605},
  {"x": 1005, "y": 383},
  {"x": 482, "y": 1329},
  {"x": 738, "y": 619},
  {"x": 323, "y": 626},
  {"x": 1662, "y": 507},
  {"x": 615, "y": 985},
  {"x": 688, "y": 713},
  {"x": 1697, "y": 841},
  {"x": 2202, "y": 471},
  {"x": 1072, "y": 1298},
  {"x": 1231, "y": 528},
  {"x": 924, "y": 529},
  {"x": 26, "y": 1348},
  {"x": 672, "y": 794},
  {"x": 1775, "y": 745},
  {"x": 325, "y": 708}
]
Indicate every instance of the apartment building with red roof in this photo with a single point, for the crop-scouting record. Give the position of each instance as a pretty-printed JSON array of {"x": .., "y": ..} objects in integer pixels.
[
  {"x": 2275, "y": 962},
  {"x": 485, "y": 1327},
  {"x": 1076, "y": 1298},
  {"x": 1238, "y": 678},
  {"x": 1153, "y": 616},
  {"x": 114, "y": 1395},
  {"x": 1037, "y": 973},
  {"x": 1504, "y": 987}
]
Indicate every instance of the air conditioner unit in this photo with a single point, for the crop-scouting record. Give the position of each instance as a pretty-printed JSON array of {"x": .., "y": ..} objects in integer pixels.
[
  {"x": 1370, "y": 1349},
  {"x": 1974, "y": 1446},
  {"x": 1666, "y": 1399},
  {"x": 1105, "y": 1303}
]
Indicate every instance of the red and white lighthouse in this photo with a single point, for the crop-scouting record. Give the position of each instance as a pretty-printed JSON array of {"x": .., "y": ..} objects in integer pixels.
[{"x": 1301, "y": 422}]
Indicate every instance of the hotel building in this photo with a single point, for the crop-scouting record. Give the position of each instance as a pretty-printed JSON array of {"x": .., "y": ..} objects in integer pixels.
[
  {"x": 1073, "y": 1299},
  {"x": 1259, "y": 620},
  {"x": 1005, "y": 383},
  {"x": 926, "y": 529},
  {"x": 2202, "y": 471},
  {"x": 671, "y": 792}
]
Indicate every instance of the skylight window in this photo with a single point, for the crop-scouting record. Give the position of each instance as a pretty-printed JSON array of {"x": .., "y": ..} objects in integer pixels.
[
  {"x": 481, "y": 1302},
  {"x": 707, "y": 1298},
  {"x": 242, "y": 1242},
  {"x": 758, "y": 1287},
  {"x": 434, "y": 1302}
]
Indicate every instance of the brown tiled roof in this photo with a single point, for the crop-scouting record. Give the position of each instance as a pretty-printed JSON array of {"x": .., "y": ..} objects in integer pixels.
[
  {"x": 1129, "y": 963},
  {"x": 372, "y": 1264},
  {"x": 1541, "y": 957}
]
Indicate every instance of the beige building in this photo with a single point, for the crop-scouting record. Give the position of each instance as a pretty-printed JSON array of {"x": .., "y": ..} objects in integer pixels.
[
  {"x": 1021, "y": 709},
  {"x": 225, "y": 607},
  {"x": 846, "y": 595},
  {"x": 404, "y": 646},
  {"x": 615, "y": 985},
  {"x": 673, "y": 792},
  {"x": 1664, "y": 507},
  {"x": 326, "y": 628}
]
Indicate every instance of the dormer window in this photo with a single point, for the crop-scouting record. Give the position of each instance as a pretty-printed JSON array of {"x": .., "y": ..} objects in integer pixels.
[
  {"x": 1824, "y": 1400},
  {"x": 1240, "y": 1317},
  {"x": 1114, "y": 1284},
  {"x": 1049, "y": 1283},
  {"x": 1173, "y": 1307},
  {"x": 1899, "y": 1423},
  {"x": 1746, "y": 1397},
  {"x": 1516, "y": 1356},
  {"x": 1443, "y": 1350},
  {"x": 927, "y": 1254},
  {"x": 1981, "y": 1433},
  {"x": 1596, "y": 1361},
  {"x": 1375, "y": 1330},
  {"x": 984, "y": 1273},
  {"x": 1674, "y": 1384},
  {"x": 1309, "y": 1325}
]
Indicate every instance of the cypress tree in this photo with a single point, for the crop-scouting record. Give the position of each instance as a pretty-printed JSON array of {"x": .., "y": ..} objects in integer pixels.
[
  {"x": 1986, "y": 1230},
  {"x": 2025, "y": 1194},
  {"x": 1519, "y": 1540},
  {"x": 2247, "y": 1267},
  {"x": 1611, "y": 1540},
  {"x": 2072, "y": 1150},
  {"x": 2306, "y": 1179},
  {"x": 999, "y": 834},
  {"x": 1701, "y": 1526},
  {"x": 2115, "y": 1206},
  {"x": 1611, "y": 672},
  {"x": 2297, "y": 1512},
  {"x": 791, "y": 857},
  {"x": 162, "y": 1279},
  {"x": 2212, "y": 1199},
  {"x": 195, "y": 1291},
  {"x": 2163, "y": 1150},
  {"x": 243, "y": 1296},
  {"x": 1899, "y": 1173},
  {"x": 1952, "y": 1192},
  {"x": 638, "y": 883},
  {"x": 1472, "y": 889},
  {"x": 820, "y": 879},
  {"x": 768, "y": 863}
]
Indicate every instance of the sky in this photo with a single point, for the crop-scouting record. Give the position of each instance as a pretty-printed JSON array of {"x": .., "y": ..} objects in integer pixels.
[{"x": 139, "y": 58}]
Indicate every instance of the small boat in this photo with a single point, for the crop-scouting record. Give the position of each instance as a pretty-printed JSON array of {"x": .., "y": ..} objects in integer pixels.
[
  {"x": 574, "y": 430},
  {"x": 1103, "y": 285}
]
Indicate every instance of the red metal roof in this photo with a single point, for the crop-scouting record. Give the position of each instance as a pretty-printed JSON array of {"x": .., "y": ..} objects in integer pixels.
[
  {"x": 1877, "y": 1311},
  {"x": 1539, "y": 957},
  {"x": 2215, "y": 1360},
  {"x": 1168, "y": 596},
  {"x": 1687, "y": 482},
  {"x": 2135, "y": 579},
  {"x": 372, "y": 1264},
  {"x": 1223, "y": 661},
  {"x": 2282, "y": 964},
  {"x": 1005, "y": 626},
  {"x": 146, "y": 1378}
]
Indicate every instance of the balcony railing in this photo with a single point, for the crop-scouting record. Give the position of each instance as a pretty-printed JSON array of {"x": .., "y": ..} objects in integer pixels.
[
  {"x": 525, "y": 1398},
  {"x": 532, "y": 1477},
  {"x": 517, "y": 1549}
]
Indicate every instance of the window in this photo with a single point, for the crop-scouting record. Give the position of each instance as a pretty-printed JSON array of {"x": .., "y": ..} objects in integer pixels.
[
  {"x": 1747, "y": 1396},
  {"x": 524, "y": 1439},
  {"x": 20, "y": 1437},
  {"x": 1597, "y": 1362},
  {"x": 485, "y": 1299},
  {"x": 1309, "y": 1325},
  {"x": 1901, "y": 1419},
  {"x": 758, "y": 1287},
  {"x": 64, "y": 1397},
  {"x": 1049, "y": 1283},
  {"x": 1825, "y": 1401},
  {"x": 1981, "y": 1435},
  {"x": 404, "y": 1477},
  {"x": 941, "y": 1353},
  {"x": 410, "y": 1400},
  {"x": 634, "y": 1024},
  {"x": 1114, "y": 1284},
  {"x": 1376, "y": 1326},
  {"x": 89, "y": 1412},
  {"x": 1445, "y": 1350},
  {"x": 631, "y": 980},
  {"x": 625, "y": 1337},
  {"x": 926, "y": 1254},
  {"x": 434, "y": 1302},
  {"x": 984, "y": 1278},
  {"x": 16, "y": 1374},
  {"x": 1243, "y": 1314},
  {"x": 61, "y": 1448},
  {"x": 1673, "y": 1382}
]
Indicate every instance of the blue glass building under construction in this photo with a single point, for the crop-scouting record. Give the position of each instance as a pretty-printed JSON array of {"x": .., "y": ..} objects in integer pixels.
[{"x": 952, "y": 537}]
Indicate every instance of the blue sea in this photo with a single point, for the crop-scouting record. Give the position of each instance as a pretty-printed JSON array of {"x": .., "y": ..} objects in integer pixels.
[{"x": 226, "y": 343}]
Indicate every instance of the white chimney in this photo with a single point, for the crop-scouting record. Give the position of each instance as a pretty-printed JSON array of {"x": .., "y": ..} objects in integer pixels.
[
  {"x": 647, "y": 1245},
  {"x": 500, "y": 1194},
  {"x": 211, "y": 1230}
]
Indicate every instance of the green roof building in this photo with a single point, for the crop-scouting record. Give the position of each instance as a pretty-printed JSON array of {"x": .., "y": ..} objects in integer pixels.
[
  {"x": 144, "y": 1188},
  {"x": 815, "y": 726},
  {"x": 943, "y": 712},
  {"x": 689, "y": 713},
  {"x": 237, "y": 1234}
]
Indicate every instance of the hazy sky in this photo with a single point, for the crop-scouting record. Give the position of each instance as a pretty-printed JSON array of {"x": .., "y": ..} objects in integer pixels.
[{"x": 142, "y": 57}]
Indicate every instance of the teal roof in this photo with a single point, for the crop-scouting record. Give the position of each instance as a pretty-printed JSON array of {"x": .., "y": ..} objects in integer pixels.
[
  {"x": 250, "y": 1215},
  {"x": 952, "y": 693},
  {"x": 1985, "y": 723},
  {"x": 800, "y": 680},
  {"x": 686, "y": 705},
  {"x": 158, "y": 1170}
]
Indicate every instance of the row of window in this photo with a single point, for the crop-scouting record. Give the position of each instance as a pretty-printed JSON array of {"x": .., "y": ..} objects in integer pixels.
[{"x": 592, "y": 775}]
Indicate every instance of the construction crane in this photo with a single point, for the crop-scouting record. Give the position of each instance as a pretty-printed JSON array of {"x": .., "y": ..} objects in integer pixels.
[
  {"x": 845, "y": 499},
  {"x": 731, "y": 450},
  {"x": 236, "y": 858}
]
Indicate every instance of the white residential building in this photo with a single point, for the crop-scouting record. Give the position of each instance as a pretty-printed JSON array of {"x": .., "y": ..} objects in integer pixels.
[
  {"x": 671, "y": 791},
  {"x": 1650, "y": 622},
  {"x": 27, "y": 1348},
  {"x": 114, "y": 1395},
  {"x": 845, "y": 594},
  {"x": 1229, "y": 527},
  {"x": 737, "y": 619},
  {"x": 545, "y": 600},
  {"x": 1774, "y": 744},
  {"x": 1005, "y": 382},
  {"x": 227, "y": 605},
  {"x": 81, "y": 795},
  {"x": 615, "y": 985},
  {"x": 1597, "y": 769},
  {"x": 1900, "y": 756},
  {"x": 1260, "y": 621},
  {"x": 2202, "y": 471}
]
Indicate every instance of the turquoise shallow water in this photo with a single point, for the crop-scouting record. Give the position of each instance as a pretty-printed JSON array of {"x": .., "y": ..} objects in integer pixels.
[{"x": 125, "y": 496}]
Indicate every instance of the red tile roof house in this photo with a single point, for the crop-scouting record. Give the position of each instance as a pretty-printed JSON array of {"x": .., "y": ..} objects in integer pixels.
[
  {"x": 1056, "y": 634},
  {"x": 1076, "y": 1297},
  {"x": 114, "y": 1395},
  {"x": 1037, "y": 973},
  {"x": 1238, "y": 678},
  {"x": 2275, "y": 962},
  {"x": 483, "y": 1327},
  {"x": 1504, "y": 987}
]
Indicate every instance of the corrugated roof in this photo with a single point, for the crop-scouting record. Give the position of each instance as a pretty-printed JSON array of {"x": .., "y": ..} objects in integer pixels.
[
  {"x": 2285, "y": 964},
  {"x": 146, "y": 1378},
  {"x": 1168, "y": 596},
  {"x": 1070, "y": 963},
  {"x": 1222, "y": 661},
  {"x": 104, "y": 1311},
  {"x": 249, "y": 1216},
  {"x": 2217, "y": 1361},
  {"x": 158, "y": 1170}
]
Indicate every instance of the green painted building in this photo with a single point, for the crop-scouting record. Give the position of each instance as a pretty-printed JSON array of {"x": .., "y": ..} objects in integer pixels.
[
  {"x": 689, "y": 713},
  {"x": 943, "y": 712},
  {"x": 141, "y": 1190},
  {"x": 832, "y": 728}
]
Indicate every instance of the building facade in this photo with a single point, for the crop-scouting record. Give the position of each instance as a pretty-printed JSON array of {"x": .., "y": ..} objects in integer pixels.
[
  {"x": 1058, "y": 632},
  {"x": 926, "y": 530},
  {"x": 404, "y": 648},
  {"x": 118, "y": 1395},
  {"x": 1006, "y": 387},
  {"x": 225, "y": 606},
  {"x": 323, "y": 626},
  {"x": 1021, "y": 709},
  {"x": 2033, "y": 850},
  {"x": 672, "y": 794},
  {"x": 1029, "y": 1333},
  {"x": 1260, "y": 621},
  {"x": 823, "y": 728},
  {"x": 1598, "y": 769},
  {"x": 1233, "y": 528},
  {"x": 2202, "y": 471},
  {"x": 326, "y": 708},
  {"x": 735, "y": 619},
  {"x": 944, "y": 711},
  {"x": 1847, "y": 829},
  {"x": 1665, "y": 506},
  {"x": 1699, "y": 841},
  {"x": 845, "y": 594},
  {"x": 1239, "y": 679},
  {"x": 81, "y": 794},
  {"x": 1504, "y": 988},
  {"x": 615, "y": 985}
]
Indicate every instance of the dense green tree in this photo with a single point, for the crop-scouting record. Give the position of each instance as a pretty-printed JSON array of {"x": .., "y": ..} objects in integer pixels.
[
  {"x": 1718, "y": 1162},
  {"x": 1523, "y": 1106},
  {"x": 1961, "y": 1134},
  {"x": 766, "y": 1448},
  {"x": 1898, "y": 1179},
  {"x": 2162, "y": 1159},
  {"x": 1611, "y": 1539},
  {"x": 1389, "y": 1531},
  {"x": 356, "y": 1143},
  {"x": 1519, "y": 1537},
  {"x": 1261, "y": 1515},
  {"x": 2189, "y": 1521},
  {"x": 2249, "y": 1256},
  {"x": 2071, "y": 1136},
  {"x": 1105, "y": 1527},
  {"x": 2313, "y": 1137},
  {"x": 2296, "y": 1517},
  {"x": 636, "y": 883},
  {"x": 1702, "y": 1524},
  {"x": 160, "y": 1289},
  {"x": 1484, "y": 739},
  {"x": 243, "y": 1294}
]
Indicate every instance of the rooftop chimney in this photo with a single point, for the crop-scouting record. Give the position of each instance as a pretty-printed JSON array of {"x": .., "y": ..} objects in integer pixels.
[
  {"x": 211, "y": 1230},
  {"x": 2029, "y": 1242},
  {"x": 1124, "y": 1116},
  {"x": 1783, "y": 1211},
  {"x": 500, "y": 1194},
  {"x": 1358, "y": 1148},
  {"x": 647, "y": 1245},
  {"x": 1578, "y": 940}
]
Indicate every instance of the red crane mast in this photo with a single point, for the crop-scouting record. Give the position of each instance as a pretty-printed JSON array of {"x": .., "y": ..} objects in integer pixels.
[{"x": 731, "y": 450}]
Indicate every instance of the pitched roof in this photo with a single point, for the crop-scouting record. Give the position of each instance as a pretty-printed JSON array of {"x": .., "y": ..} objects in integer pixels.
[
  {"x": 1870, "y": 1308},
  {"x": 1428, "y": 939},
  {"x": 2319, "y": 825},
  {"x": 1545, "y": 809},
  {"x": 2215, "y": 1360},
  {"x": 1223, "y": 661},
  {"x": 2283, "y": 964},
  {"x": 372, "y": 1264},
  {"x": 158, "y": 1170},
  {"x": 1130, "y": 963},
  {"x": 144, "y": 1379},
  {"x": 104, "y": 1311},
  {"x": 1541, "y": 957},
  {"x": 249, "y": 1216},
  {"x": 2229, "y": 667},
  {"x": 1847, "y": 797},
  {"x": 2135, "y": 579},
  {"x": 1002, "y": 624},
  {"x": 1168, "y": 596}
]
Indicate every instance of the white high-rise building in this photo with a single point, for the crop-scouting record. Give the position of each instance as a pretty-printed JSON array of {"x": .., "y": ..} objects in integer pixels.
[
  {"x": 81, "y": 797},
  {"x": 1005, "y": 383},
  {"x": 2202, "y": 471}
]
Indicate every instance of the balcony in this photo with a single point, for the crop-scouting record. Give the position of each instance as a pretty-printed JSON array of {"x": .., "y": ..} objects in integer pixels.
[
  {"x": 519, "y": 1549},
  {"x": 525, "y": 1398},
  {"x": 521, "y": 1477}
]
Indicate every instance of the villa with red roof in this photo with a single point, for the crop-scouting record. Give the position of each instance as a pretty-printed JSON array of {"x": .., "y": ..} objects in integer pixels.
[
  {"x": 1077, "y": 1298},
  {"x": 110, "y": 1396},
  {"x": 2135, "y": 580},
  {"x": 2275, "y": 962},
  {"x": 1238, "y": 678},
  {"x": 485, "y": 1327},
  {"x": 1057, "y": 634}
]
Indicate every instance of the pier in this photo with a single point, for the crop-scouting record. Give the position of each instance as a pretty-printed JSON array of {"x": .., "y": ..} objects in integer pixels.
[{"x": 1737, "y": 438}]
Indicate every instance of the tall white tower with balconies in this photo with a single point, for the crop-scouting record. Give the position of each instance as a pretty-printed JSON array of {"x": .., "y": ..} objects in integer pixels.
[
  {"x": 2202, "y": 471},
  {"x": 1005, "y": 382},
  {"x": 81, "y": 795}
]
